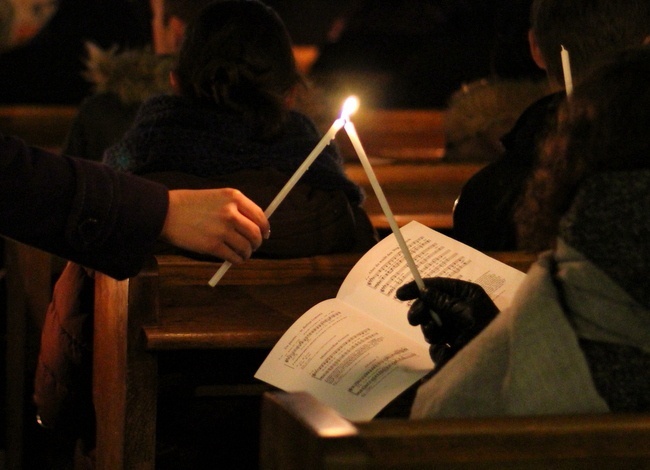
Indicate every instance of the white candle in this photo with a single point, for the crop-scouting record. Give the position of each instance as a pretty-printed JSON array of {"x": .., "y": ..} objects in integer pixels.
[
  {"x": 324, "y": 142},
  {"x": 356, "y": 143},
  {"x": 566, "y": 69},
  {"x": 383, "y": 202}
]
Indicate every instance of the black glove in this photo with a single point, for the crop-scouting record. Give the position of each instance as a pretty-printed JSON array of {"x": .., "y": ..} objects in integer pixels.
[{"x": 463, "y": 308}]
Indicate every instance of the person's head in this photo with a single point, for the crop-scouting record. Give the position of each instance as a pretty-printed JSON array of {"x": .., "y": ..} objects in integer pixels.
[
  {"x": 593, "y": 31},
  {"x": 169, "y": 18},
  {"x": 238, "y": 55},
  {"x": 601, "y": 130}
]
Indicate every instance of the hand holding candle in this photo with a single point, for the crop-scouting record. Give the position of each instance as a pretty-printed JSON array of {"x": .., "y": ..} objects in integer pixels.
[{"x": 324, "y": 142}]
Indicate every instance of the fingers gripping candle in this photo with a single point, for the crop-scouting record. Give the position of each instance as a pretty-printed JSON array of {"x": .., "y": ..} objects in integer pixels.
[{"x": 320, "y": 146}]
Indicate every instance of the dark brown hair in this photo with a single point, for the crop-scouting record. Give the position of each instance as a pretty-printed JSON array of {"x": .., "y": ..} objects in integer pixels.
[
  {"x": 603, "y": 127},
  {"x": 238, "y": 55}
]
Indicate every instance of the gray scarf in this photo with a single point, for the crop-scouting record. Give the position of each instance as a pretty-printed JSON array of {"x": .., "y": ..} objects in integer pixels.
[{"x": 609, "y": 223}]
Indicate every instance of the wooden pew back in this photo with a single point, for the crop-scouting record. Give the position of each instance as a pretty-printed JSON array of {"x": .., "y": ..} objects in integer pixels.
[
  {"x": 397, "y": 135},
  {"x": 44, "y": 126},
  {"x": 170, "y": 307},
  {"x": 298, "y": 432},
  {"x": 422, "y": 192},
  {"x": 251, "y": 306}
]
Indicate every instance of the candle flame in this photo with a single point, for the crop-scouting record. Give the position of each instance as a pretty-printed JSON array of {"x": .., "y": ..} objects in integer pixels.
[{"x": 350, "y": 107}]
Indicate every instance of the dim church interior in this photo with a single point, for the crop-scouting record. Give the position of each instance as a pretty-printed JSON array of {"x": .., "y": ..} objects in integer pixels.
[{"x": 314, "y": 26}]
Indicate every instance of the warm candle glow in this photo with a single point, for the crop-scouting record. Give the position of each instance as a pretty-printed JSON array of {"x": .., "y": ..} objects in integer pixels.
[
  {"x": 350, "y": 107},
  {"x": 353, "y": 104}
]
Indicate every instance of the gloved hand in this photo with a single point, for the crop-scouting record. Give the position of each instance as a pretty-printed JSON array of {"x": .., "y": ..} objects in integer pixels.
[{"x": 463, "y": 308}]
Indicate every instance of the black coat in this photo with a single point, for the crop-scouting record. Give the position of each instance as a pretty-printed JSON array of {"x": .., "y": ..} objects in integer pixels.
[
  {"x": 79, "y": 210},
  {"x": 484, "y": 212}
]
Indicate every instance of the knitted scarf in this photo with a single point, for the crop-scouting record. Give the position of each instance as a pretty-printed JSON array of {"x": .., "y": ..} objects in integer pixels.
[
  {"x": 609, "y": 223},
  {"x": 172, "y": 133}
]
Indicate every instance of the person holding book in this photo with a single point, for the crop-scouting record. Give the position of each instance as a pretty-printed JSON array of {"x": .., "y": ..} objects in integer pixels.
[
  {"x": 576, "y": 338},
  {"x": 592, "y": 32},
  {"x": 229, "y": 124}
]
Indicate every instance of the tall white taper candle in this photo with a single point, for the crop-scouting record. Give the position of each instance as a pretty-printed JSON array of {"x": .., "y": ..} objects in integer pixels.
[
  {"x": 383, "y": 202},
  {"x": 324, "y": 142}
]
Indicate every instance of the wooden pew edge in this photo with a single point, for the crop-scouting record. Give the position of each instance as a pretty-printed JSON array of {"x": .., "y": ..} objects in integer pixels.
[
  {"x": 519, "y": 442},
  {"x": 177, "y": 270},
  {"x": 255, "y": 270},
  {"x": 120, "y": 364}
]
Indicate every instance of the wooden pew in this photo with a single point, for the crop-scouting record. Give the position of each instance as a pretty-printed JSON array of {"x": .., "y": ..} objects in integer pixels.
[
  {"x": 298, "y": 431},
  {"x": 169, "y": 307},
  {"x": 406, "y": 149},
  {"x": 397, "y": 135},
  {"x": 44, "y": 126},
  {"x": 422, "y": 192}
]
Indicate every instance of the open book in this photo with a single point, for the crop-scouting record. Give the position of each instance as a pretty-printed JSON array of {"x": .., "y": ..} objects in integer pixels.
[{"x": 357, "y": 352}]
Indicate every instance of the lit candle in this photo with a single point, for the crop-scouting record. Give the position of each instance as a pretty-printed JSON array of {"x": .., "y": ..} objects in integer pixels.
[
  {"x": 566, "y": 69},
  {"x": 383, "y": 202},
  {"x": 324, "y": 142}
]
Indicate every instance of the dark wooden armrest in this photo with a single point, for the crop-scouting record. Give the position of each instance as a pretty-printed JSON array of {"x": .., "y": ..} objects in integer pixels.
[{"x": 298, "y": 431}]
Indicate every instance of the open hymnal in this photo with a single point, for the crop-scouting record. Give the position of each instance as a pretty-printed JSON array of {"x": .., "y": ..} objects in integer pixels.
[{"x": 357, "y": 352}]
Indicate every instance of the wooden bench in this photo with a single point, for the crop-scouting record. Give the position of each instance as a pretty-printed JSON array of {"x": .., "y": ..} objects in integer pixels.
[
  {"x": 405, "y": 147},
  {"x": 397, "y": 135},
  {"x": 169, "y": 307},
  {"x": 45, "y": 126},
  {"x": 422, "y": 192},
  {"x": 298, "y": 431}
]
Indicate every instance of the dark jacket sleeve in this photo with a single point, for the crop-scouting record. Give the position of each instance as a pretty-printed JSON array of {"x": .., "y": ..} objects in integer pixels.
[{"x": 79, "y": 210}]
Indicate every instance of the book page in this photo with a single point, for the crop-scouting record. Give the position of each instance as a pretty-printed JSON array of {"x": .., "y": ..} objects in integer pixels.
[
  {"x": 345, "y": 359},
  {"x": 358, "y": 352},
  {"x": 373, "y": 281}
]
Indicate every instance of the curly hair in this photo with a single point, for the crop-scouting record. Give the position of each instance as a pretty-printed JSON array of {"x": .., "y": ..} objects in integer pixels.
[
  {"x": 602, "y": 128},
  {"x": 237, "y": 54}
]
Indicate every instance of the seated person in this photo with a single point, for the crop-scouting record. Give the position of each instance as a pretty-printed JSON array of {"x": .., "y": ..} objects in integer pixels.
[
  {"x": 124, "y": 79},
  {"x": 231, "y": 124},
  {"x": 576, "y": 338},
  {"x": 593, "y": 32}
]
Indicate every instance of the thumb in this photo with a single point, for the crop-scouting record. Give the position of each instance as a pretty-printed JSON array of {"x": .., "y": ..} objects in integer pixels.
[{"x": 408, "y": 291}]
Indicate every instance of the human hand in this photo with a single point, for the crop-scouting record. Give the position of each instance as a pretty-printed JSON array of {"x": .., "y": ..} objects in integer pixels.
[
  {"x": 463, "y": 308},
  {"x": 218, "y": 222}
]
